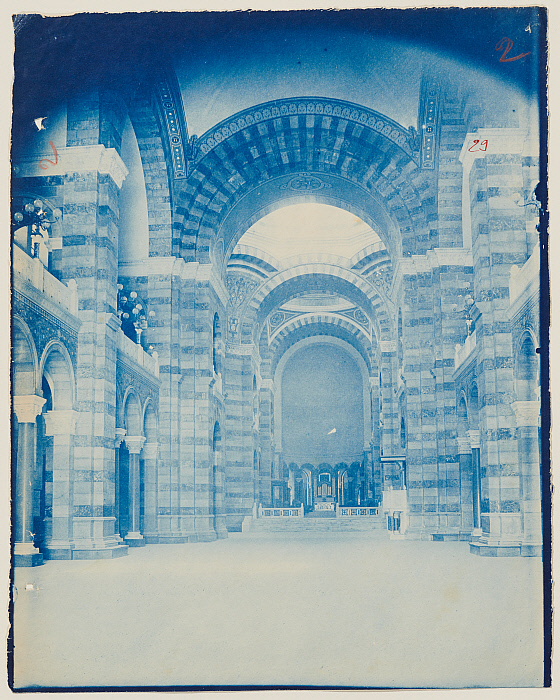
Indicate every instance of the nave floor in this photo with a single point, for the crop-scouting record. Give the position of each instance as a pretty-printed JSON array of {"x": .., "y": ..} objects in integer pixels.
[{"x": 327, "y": 609}]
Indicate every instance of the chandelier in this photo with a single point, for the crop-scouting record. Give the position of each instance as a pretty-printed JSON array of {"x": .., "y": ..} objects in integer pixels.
[
  {"x": 35, "y": 215},
  {"x": 133, "y": 313}
]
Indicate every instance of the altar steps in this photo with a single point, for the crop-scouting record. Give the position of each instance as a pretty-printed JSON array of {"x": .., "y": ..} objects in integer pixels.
[{"x": 315, "y": 525}]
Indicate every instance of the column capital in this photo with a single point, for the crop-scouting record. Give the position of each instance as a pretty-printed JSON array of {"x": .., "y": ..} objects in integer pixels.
[
  {"x": 60, "y": 422},
  {"x": 150, "y": 450},
  {"x": 474, "y": 438},
  {"x": 91, "y": 158},
  {"x": 119, "y": 437},
  {"x": 527, "y": 413},
  {"x": 27, "y": 408},
  {"x": 134, "y": 443},
  {"x": 463, "y": 446}
]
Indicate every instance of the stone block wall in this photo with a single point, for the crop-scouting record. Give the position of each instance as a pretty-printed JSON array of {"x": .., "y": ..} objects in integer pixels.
[
  {"x": 498, "y": 229},
  {"x": 241, "y": 490}
]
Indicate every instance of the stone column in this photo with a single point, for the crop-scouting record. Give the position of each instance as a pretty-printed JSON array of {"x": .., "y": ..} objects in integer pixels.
[
  {"x": 369, "y": 483},
  {"x": 389, "y": 436},
  {"x": 266, "y": 408},
  {"x": 466, "y": 484},
  {"x": 119, "y": 437},
  {"x": 527, "y": 414},
  {"x": 291, "y": 485},
  {"x": 134, "y": 445},
  {"x": 375, "y": 441},
  {"x": 474, "y": 439},
  {"x": 26, "y": 408},
  {"x": 58, "y": 541},
  {"x": 150, "y": 454}
]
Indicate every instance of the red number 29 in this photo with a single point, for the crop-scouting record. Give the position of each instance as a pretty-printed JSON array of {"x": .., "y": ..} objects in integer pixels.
[{"x": 479, "y": 145}]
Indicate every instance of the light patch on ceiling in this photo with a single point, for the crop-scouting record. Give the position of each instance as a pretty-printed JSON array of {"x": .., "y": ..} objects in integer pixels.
[{"x": 309, "y": 230}]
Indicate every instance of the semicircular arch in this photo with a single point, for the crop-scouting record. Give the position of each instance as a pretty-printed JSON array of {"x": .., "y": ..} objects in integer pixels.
[
  {"x": 132, "y": 410},
  {"x": 349, "y": 154},
  {"x": 299, "y": 328},
  {"x": 25, "y": 366},
  {"x": 60, "y": 372},
  {"x": 315, "y": 317},
  {"x": 149, "y": 420},
  {"x": 298, "y": 280},
  {"x": 269, "y": 197}
]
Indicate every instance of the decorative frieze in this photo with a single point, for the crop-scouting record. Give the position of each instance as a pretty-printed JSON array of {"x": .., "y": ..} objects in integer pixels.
[
  {"x": 171, "y": 110},
  {"x": 239, "y": 289},
  {"x": 305, "y": 183},
  {"x": 304, "y": 106},
  {"x": 428, "y": 122},
  {"x": 45, "y": 326}
]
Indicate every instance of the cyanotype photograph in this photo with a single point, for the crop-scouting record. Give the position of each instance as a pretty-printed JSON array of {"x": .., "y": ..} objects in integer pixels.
[{"x": 279, "y": 350}]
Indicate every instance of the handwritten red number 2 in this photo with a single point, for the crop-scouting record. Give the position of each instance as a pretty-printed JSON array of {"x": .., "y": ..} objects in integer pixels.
[
  {"x": 47, "y": 161},
  {"x": 508, "y": 45},
  {"x": 482, "y": 145}
]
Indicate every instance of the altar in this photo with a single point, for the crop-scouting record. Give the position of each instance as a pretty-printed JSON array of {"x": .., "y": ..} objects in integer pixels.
[{"x": 324, "y": 505}]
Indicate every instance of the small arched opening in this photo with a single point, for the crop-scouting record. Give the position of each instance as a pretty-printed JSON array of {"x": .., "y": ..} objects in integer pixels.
[
  {"x": 55, "y": 428},
  {"x": 527, "y": 370}
]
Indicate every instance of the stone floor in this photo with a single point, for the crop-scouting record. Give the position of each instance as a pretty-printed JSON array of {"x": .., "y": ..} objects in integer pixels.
[{"x": 333, "y": 609}]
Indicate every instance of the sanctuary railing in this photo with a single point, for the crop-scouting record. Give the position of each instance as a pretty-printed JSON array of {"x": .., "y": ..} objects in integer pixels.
[
  {"x": 266, "y": 512},
  {"x": 355, "y": 511}
]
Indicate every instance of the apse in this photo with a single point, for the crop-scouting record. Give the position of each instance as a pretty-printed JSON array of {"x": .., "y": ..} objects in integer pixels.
[{"x": 322, "y": 406}]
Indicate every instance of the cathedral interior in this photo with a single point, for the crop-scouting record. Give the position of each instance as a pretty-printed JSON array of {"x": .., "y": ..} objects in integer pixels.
[
  {"x": 286, "y": 278},
  {"x": 278, "y": 273}
]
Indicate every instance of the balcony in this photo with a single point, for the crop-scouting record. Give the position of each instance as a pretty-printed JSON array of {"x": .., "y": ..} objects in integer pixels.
[
  {"x": 524, "y": 281},
  {"x": 137, "y": 354},
  {"x": 462, "y": 352},
  {"x": 34, "y": 272}
]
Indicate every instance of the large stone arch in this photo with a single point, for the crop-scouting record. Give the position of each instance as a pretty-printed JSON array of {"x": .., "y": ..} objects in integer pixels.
[
  {"x": 291, "y": 283},
  {"x": 158, "y": 121},
  {"x": 339, "y": 148},
  {"x": 256, "y": 258},
  {"x": 332, "y": 317},
  {"x": 321, "y": 325},
  {"x": 332, "y": 190}
]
